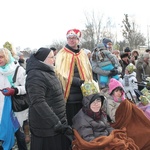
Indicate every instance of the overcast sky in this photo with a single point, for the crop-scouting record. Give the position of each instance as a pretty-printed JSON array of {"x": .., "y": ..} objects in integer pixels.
[{"x": 35, "y": 23}]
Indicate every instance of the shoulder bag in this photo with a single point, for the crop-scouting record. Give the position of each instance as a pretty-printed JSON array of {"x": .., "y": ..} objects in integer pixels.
[{"x": 19, "y": 102}]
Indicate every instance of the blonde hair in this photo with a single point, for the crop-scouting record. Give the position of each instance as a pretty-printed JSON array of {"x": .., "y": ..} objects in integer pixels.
[{"x": 6, "y": 53}]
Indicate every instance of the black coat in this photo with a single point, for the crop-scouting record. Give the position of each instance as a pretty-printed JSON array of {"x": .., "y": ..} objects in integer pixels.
[
  {"x": 75, "y": 95},
  {"x": 46, "y": 100}
]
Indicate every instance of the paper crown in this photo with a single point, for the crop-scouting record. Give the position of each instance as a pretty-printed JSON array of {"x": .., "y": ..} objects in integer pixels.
[
  {"x": 89, "y": 88},
  {"x": 145, "y": 91},
  {"x": 73, "y": 32},
  {"x": 144, "y": 100},
  {"x": 130, "y": 68},
  {"x": 148, "y": 83}
]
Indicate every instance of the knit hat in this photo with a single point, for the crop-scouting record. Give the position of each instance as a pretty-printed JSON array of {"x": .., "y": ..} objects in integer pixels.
[
  {"x": 113, "y": 84},
  {"x": 127, "y": 49},
  {"x": 105, "y": 41},
  {"x": 124, "y": 55},
  {"x": 147, "y": 50},
  {"x": 42, "y": 53},
  {"x": 73, "y": 32},
  {"x": 97, "y": 96},
  {"x": 101, "y": 46},
  {"x": 130, "y": 68},
  {"x": 53, "y": 48}
]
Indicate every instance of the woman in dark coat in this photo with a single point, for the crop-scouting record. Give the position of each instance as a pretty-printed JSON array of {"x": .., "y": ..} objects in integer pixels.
[
  {"x": 47, "y": 117},
  {"x": 90, "y": 121}
]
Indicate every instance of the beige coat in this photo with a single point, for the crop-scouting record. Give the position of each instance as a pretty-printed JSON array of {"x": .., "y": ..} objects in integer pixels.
[{"x": 109, "y": 106}]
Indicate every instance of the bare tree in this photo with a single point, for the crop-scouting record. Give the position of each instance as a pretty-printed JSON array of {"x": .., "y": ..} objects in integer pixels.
[
  {"x": 92, "y": 33},
  {"x": 131, "y": 33},
  {"x": 108, "y": 29},
  {"x": 97, "y": 28}
]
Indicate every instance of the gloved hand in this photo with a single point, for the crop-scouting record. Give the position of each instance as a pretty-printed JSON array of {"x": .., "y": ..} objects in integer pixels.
[
  {"x": 63, "y": 129},
  {"x": 9, "y": 91},
  {"x": 113, "y": 72}
]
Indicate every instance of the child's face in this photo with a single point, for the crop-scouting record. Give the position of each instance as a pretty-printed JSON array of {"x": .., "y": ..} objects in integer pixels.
[
  {"x": 126, "y": 71},
  {"x": 95, "y": 105},
  {"x": 117, "y": 93}
]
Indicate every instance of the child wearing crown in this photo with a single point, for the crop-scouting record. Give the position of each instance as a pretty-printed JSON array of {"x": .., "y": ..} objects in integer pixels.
[
  {"x": 144, "y": 103},
  {"x": 129, "y": 82}
]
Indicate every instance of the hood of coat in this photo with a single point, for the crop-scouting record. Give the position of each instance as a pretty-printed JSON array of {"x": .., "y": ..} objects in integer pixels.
[
  {"x": 35, "y": 64},
  {"x": 90, "y": 98}
]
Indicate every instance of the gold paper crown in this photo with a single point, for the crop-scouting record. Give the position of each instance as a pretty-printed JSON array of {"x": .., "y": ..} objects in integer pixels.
[
  {"x": 145, "y": 91},
  {"x": 89, "y": 88},
  {"x": 144, "y": 100}
]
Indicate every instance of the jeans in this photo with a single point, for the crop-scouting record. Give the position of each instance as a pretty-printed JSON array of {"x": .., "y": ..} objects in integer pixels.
[
  {"x": 1, "y": 148},
  {"x": 20, "y": 137}
]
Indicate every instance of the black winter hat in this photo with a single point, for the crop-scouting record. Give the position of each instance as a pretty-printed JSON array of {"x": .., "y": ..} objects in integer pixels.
[
  {"x": 53, "y": 48},
  {"x": 42, "y": 53},
  {"x": 97, "y": 96},
  {"x": 105, "y": 41},
  {"x": 147, "y": 50},
  {"x": 124, "y": 55},
  {"x": 127, "y": 49}
]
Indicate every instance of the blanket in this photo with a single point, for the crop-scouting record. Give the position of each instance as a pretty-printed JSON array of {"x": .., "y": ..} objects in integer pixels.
[
  {"x": 146, "y": 109},
  {"x": 117, "y": 140},
  {"x": 128, "y": 115}
]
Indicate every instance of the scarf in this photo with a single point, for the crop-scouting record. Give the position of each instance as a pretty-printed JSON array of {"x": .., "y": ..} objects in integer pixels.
[
  {"x": 122, "y": 98},
  {"x": 9, "y": 69},
  {"x": 94, "y": 115}
]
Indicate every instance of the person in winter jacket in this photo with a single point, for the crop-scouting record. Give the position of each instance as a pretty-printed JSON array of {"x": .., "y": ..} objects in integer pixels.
[
  {"x": 143, "y": 68},
  {"x": 107, "y": 62},
  {"x": 72, "y": 67},
  {"x": 129, "y": 82},
  {"x": 114, "y": 96},
  {"x": 134, "y": 57},
  {"x": 47, "y": 109},
  {"x": 127, "y": 50},
  {"x": 124, "y": 63},
  {"x": 108, "y": 44},
  {"x": 11, "y": 122},
  {"x": 90, "y": 121},
  {"x": 108, "y": 66}
]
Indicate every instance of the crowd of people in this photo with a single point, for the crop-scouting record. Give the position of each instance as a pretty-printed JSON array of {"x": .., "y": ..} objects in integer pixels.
[{"x": 52, "y": 79}]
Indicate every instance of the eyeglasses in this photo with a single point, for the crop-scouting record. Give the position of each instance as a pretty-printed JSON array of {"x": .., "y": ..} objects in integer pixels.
[
  {"x": 97, "y": 101},
  {"x": 72, "y": 38}
]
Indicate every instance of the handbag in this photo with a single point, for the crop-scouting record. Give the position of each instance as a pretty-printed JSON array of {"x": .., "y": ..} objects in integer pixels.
[{"x": 19, "y": 102}]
